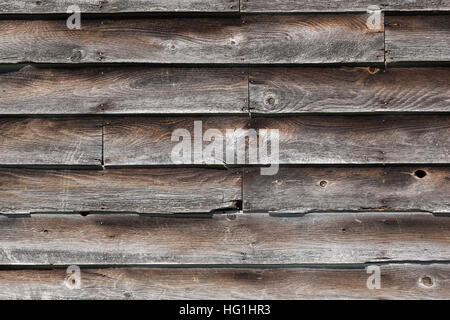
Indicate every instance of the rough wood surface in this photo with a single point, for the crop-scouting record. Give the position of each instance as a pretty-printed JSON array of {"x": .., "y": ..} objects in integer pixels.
[
  {"x": 47, "y": 141},
  {"x": 341, "y": 5},
  {"x": 148, "y": 140},
  {"x": 330, "y": 139},
  {"x": 302, "y": 90},
  {"x": 119, "y": 190},
  {"x": 311, "y": 189},
  {"x": 418, "y": 38},
  {"x": 253, "y": 39},
  {"x": 361, "y": 139},
  {"x": 119, "y": 90},
  {"x": 113, "y": 6},
  {"x": 398, "y": 281},
  {"x": 231, "y": 239}
]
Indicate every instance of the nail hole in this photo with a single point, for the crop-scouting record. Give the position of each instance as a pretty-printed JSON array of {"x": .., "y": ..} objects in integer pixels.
[
  {"x": 323, "y": 183},
  {"x": 427, "y": 281},
  {"x": 270, "y": 101},
  {"x": 420, "y": 174}
]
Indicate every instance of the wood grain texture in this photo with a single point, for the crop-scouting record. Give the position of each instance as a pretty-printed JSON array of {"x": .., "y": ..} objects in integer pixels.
[
  {"x": 148, "y": 140},
  {"x": 50, "y": 141},
  {"x": 418, "y": 38},
  {"x": 231, "y": 239},
  {"x": 120, "y": 190},
  {"x": 119, "y": 90},
  {"x": 398, "y": 281},
  {"x": 253, "y": 39},
  {"x": 373, "y": 139},
  {"x": 352, "y": 90},
  {"x": 314, "y": 189},
  {"x": 330, "y": 139},
  {"x": 341, "y": 5},
  {"x": 115, "y": 6}
]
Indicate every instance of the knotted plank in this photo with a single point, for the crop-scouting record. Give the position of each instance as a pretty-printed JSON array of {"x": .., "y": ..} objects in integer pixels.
[
  {"x": 262, "y": 39},
  {"x": 322, "y": 189},
  {"x": 398, "y": 281},
  {"x": 122, "y": 90},
  {"x": 350, "y": 90}
]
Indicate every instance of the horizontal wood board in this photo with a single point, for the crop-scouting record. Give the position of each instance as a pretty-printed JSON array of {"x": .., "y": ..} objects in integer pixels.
[{"x": 224, "y": 239}]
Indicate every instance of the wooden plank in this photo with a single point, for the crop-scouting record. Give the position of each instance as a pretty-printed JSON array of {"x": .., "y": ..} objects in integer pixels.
[
  {"x": 148, "y": 140},
  {"x": 398, "y": 281},
  {"x": 122, "y": 190},
  {"x": 302, "y": 90},
  {"x": 418, "y": 38},
  {"x": 314, "y": 189},
  {"x": 341, "y": 5},
  {"x": 231, "y": 239},
  {"x": 253, "y": 39},
  {"x": 330, "y": 139},
  {"x": 118, "y": 6},
  {"x": 373, "y": 139},
  {"x": 50, "y": 141},
  {"x": 119, "y": 90}
]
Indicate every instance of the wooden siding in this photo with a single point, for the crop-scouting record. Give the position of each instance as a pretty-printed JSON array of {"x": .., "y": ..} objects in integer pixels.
[
  {"x": 349, "y": 90},
  {"x": 224, "y": 239},
  {"x": 340, "y": 5},
  {"x": 141, "y": 190},
  {"x": 303, "y": 140},
  {"x": 308, "y": 189},
  {"x": 118, "y": 6},
  {"x": 47, "y": 141},
  {"x": 253, "y": 39},
  {"x": 123, "y": 90},
  {"x": 87, "y": 177},
  {"x": 403, "y": 281},
  {"x": 417, "y": 38}
]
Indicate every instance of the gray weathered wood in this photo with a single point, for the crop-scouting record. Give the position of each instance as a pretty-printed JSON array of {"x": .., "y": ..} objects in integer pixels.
[
  {"x": 341, "y": 5},
  {"x": 47, "y": 141},
  {"x": 256, "y": 238},
  {"x": 302, "y": 90},
  {"x": 113, "y": 6},
  {"x": 313, "y": 189},
  {"x": 118, "y": 90},
  {"x": 398, "y": 281},
  {"x": 330, "y": 139},
  {"x": 418, "y": 38},
  {"x": 119, "y": 190},
  {"x": 148, "y": 140},
  {"x": 372, "y": 139},
  {"x": 254, "y": 39}
]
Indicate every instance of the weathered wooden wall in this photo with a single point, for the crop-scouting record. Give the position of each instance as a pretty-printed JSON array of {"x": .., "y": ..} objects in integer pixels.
[{"x": 87, "y": 179}]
